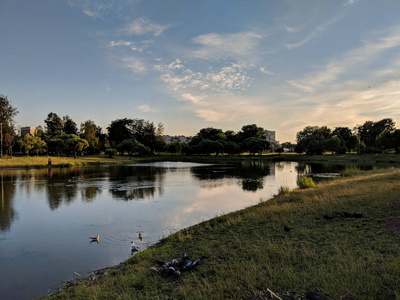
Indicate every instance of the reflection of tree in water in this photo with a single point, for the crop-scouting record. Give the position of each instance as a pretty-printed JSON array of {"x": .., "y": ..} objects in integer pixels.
[
  {"x": 251, "y": 174},
  {"x": 89, "y": 193},
  {"x": 7, "y": 212},
  {"x": 62, "y": 184},
  {"x": 136, "y": 182}
]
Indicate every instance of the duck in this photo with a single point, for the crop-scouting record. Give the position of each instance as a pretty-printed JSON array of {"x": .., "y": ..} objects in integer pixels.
[
  {"x": 140, "y": 236},
  {"x": 95, "y": 239},
  {"x": 134, "y": 248}
]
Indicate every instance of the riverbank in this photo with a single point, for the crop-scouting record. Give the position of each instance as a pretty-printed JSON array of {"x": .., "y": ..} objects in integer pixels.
[
  {"x": 41, "y": 161},
  {"x": 341, "y": 238}
]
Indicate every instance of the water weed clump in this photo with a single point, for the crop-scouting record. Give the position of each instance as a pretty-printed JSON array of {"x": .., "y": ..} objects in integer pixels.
[{"x": 305, "y": 182}]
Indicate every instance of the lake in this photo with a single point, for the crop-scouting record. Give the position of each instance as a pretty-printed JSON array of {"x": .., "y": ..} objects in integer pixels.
[{"x": 47, "y": 216}]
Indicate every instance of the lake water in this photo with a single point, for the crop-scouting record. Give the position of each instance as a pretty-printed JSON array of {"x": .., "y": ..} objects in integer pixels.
[{"x": 47, "y": 216}]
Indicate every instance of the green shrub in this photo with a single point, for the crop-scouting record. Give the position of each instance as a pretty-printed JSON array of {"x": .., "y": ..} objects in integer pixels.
[
  {"x": 110, "y": 152},
  {"x": 305, "y": 182},
  {"x": 283, "y": 190},
  {"x": 351, "y": 172}
]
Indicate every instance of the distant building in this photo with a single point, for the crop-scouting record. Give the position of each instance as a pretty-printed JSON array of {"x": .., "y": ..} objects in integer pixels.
[
  {"x": 177, "y": 138},
  {"x": 28, "y": 130},
  {"x": 270, "y": 136}
]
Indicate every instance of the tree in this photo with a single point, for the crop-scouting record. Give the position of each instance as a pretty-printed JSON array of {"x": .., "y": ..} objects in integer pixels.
[
  {"x": 251, "y": 131},
  {"x": 69, "y": 126},
  {"x": 385, "y": 140},
  {"x": 119, "y": 131},
  {"x": 255, "y": 145},
  {"x": 54, "y": 125},
  {"x": 333, "y": 144},
  {"x": 39, "y": 146},
  {"x": 75, "y": 144},
  {"x": 7, "y": 114},
  {"x": 212, "y": 134},
  {"x": 27, "y": 143},
  {"x": 313, "y": 139},
  {"x": 369, "y": 131},
  {"x": 89, "y": 132}
]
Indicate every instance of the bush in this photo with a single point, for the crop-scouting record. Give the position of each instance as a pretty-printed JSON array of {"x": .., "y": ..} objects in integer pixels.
[
  {"x": 110, "y": 152},
  {"x": 342, "y": 150},
  {"x": 284, "y": 190},
  {"x": 351, "y": 172},
  {"x": 305, "y": 182}
]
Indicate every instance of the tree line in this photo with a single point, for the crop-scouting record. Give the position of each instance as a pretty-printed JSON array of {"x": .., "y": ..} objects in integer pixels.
[
  {"x": 61, "y": 136},
  {"x": 370, "y": 137}
]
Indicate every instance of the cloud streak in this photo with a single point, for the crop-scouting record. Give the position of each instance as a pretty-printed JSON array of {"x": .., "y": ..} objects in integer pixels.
[
  {"x": 238, "y": 46},
  {"x": 144, "y": 26}
]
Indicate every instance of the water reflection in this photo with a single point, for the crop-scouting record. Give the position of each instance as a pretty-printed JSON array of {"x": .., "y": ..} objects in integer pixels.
[
  {"x": 7, "y": 211},
  {"x": 250, "y": 175},
  {"x": 54, "y": 211}
]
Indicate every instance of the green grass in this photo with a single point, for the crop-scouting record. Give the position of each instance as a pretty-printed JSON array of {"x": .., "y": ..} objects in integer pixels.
[
  {"x": 41, "y": 161},
  {"x": 342, "y": 242},
  {"x": 305, "y": 182}
]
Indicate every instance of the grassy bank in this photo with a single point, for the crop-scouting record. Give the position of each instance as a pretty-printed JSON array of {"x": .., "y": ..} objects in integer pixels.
[
  {"x": 41, "y": 161},
  {"x": 344, "y": 240}
]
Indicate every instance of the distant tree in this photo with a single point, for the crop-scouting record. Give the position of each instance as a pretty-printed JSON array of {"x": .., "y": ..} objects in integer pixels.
[
  {"x": 288, "y": 145},
  {"x": 385, "y": 140},
  {"x": 208, "y": 146},
  {"x": 212, "y": 134},
  {"x": 54, "y": 125},
  {"x": 280, "y": 150},
  {"x": 159, "y": 139},
  {"x": 119, "y": 131},
  {"x": 333, "y": 144},
  {"x": 299, "y": 149},
  {"x": 69, "y": 126},
  {"x": 7, "y": 114},
  {"x": 9, "y": 142},
  {"x": 27, "y": 143},
  {"x": 90, "y": 132},
  {"x": 110, "y": 152},
  {"x": 255, "y": 145},
  {"x": 39, "y": 146},
  {"x": 232, "y": 148},
  {"x": 231, "y": 136},
  {"x": 344, "y": 134},
  {"x": 369, "y": 131},
  {"x": 313, "y": 139},
  {"x": 75, "y": 144},
  {"x": 251, "y": 131}
]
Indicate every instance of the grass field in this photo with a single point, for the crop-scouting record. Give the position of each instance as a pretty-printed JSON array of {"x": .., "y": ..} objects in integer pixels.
[{"x": 342, "y": 238}]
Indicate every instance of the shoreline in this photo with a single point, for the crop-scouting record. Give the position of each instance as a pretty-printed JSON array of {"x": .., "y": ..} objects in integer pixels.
[{"x": 303, "y": 212}]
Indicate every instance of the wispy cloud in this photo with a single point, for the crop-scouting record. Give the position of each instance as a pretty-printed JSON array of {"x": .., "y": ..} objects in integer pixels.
[
  {"x": 144, "y": 26},
  {"x": 146, "y": 108},
  {"x": 191, "y": 98},
  {"x": 239, "y": 46},
  {"x": 350, "y": 2},
  {"x": 360, "y": 56},
  {"x": 93, "y": 9},
  {"x": 134, "y": 64},
  {"x": 314, "y": 33},
  {"x": 231, "y": 77},
  {"x": 265, "y": 71}
]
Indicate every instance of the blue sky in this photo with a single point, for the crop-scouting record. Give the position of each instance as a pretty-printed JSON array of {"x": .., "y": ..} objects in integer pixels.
[{"x": 282, "y": 65}]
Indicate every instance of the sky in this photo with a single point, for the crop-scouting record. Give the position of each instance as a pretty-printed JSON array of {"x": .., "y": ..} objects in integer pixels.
[{"x": 280, "y": 64}]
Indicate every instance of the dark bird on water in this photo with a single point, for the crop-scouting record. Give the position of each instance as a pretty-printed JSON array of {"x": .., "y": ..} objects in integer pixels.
[
  {"x": 286, "y": 228},
  {"x": 140, "y": 236},
  {"x": 95, "y": 239}
]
